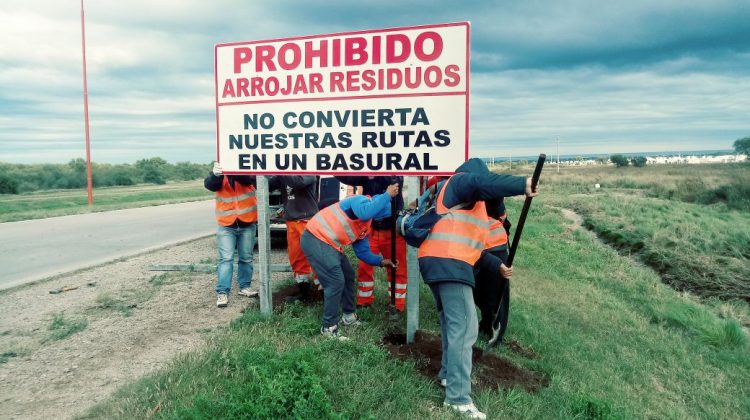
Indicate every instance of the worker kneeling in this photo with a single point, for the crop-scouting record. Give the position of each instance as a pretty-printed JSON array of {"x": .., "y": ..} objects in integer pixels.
[{"x": 328, "y": 232}]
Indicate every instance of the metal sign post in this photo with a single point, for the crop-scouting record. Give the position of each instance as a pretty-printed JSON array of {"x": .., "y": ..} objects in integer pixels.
[
  {"x": 264, "y": 246},
  {"x": 412, "y": 267}
]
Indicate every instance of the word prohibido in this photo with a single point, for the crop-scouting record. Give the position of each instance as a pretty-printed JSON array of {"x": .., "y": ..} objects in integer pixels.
[{"x": 349, "y": 51}]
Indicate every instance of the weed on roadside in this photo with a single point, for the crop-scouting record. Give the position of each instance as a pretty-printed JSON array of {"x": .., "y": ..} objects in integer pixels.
[
  {"x": 208, "y": 260},
  {"x": 158, "y": 279},
  {"x": 126, "y": 302},
  {"x": 4, "y": 357},
  {"x": 62, "y": 328}
]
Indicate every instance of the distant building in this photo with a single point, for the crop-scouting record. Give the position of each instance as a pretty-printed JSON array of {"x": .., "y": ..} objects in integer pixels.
[
  {"x": 693, "y": 159},
  {"x": 650, "y": 160}
]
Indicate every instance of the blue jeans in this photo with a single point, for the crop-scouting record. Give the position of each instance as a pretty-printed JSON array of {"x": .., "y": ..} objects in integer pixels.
[
  {"x": 335, "y": 274},
  {"x": 229, "y": 238},
  {"x": 458, "y": 333}
]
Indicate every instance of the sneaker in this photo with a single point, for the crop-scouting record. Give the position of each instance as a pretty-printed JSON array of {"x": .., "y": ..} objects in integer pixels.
[
  {"x": 443, "y": 382},
  {"x": 351, "y": 320},
  {"x": 469, "y": 410},
  {"x": 247, "y": 292},
  {"x": 222, "y": 300},
  {"x": 332, "y": 332}
]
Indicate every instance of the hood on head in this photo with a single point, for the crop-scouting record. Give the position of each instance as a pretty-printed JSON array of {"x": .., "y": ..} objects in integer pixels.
[{"x": 474, "y": 166}]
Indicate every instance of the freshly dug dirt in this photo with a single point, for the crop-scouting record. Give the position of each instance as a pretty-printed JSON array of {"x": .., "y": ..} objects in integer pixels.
[
  {"x": 489, "y": 370},
  {"x": 280, "y": 296}
]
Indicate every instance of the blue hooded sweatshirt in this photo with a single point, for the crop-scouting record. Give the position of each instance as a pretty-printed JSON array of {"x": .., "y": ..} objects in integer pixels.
[
  {"x": 363, "y": 208},
  {"x": 472, "y": 182}
]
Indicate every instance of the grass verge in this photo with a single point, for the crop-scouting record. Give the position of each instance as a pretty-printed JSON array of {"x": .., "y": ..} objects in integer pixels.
[
  {"x": 613, "y": 340},
  {"x": 53, "y": 203},
  {"x": 701, "y": 248}
]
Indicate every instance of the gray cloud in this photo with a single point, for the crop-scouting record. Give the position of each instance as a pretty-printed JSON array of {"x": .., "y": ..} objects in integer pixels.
[{"x": 602, "y": 77}]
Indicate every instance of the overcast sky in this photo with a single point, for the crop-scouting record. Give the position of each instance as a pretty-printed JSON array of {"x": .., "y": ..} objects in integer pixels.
[{"x": 602, "y": 77}]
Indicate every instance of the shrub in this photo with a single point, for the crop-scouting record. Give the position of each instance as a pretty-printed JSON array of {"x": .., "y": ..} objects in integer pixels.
[
  {"x": 638, "y": 161},
  {"x": 153, "y": 170},
  {"x": 8, "y": 184},
  {"x": 619, "y": 160},
  {"x": 186, "y": 171},
  {"x": 742, "y": 145}
]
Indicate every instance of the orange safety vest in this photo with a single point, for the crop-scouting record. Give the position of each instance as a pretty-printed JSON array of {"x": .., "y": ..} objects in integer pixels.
[
  {"x": 238, "y": 202},
  {"x": 332, "y": 226},
  {"x": 460, "y": 234},
  {"x": 498, "y": 237}
]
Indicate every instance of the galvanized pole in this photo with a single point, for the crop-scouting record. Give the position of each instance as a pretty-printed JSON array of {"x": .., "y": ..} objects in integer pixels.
[
  {"x": 264, "y": 246},
  {"x": 412, "y": 272}
]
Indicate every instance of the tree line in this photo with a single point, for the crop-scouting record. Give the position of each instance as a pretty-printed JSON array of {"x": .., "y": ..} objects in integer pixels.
[{"x": 22, "y": 178}]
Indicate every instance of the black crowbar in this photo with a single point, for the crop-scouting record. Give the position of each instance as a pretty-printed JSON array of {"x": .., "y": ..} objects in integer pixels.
[{"x": 496, "y": 324}]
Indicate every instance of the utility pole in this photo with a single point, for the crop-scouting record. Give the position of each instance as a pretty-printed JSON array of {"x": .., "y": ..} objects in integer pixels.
[
  {"x": 86, "y": 112},
  {"x": 558, "y": 154}
]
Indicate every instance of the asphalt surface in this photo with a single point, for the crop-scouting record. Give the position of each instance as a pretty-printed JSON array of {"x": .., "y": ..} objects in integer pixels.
[{"x": 33, "y": 250}]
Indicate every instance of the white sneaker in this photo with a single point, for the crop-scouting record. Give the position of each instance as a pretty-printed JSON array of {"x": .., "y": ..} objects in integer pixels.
[
  {"x": 247, "y": 292},
  {"x": 469, "y": 410},
  {"x": 332, "y": 332},
  {"x": 350, "y": 320},
  {"x": 222, "y": 300}
]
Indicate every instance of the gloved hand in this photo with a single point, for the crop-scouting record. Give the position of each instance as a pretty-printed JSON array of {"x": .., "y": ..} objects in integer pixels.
[
  {"x": 388, "y": 263},
  {"x": 217, "y": 169}
]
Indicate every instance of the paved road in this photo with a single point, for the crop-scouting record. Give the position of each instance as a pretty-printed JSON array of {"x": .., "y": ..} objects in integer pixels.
[{"x": 36, "y": 249}]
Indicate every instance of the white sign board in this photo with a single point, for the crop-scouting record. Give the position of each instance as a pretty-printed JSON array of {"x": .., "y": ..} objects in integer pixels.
[{"x": 390, "y": 101}]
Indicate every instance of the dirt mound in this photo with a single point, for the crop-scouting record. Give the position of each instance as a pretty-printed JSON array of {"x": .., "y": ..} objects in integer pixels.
[
  {"x": 518, "y": 349},
  {"x": 279, "y": 297},
  {"x": 490, "y": 371}
]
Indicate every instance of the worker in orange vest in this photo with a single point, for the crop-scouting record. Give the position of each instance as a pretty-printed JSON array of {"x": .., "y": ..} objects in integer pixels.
[
  {"x": 380, "y": 235},
  {"x": 338, "y": 225},
  {"x": 446, "y": 262},
  {"x": 237, "y": 216}
]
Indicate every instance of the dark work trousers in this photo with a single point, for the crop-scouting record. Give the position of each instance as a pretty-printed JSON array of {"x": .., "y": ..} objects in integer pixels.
[
  {"x": 336, "y": 275},
  {"x": 490, "y": 292}
]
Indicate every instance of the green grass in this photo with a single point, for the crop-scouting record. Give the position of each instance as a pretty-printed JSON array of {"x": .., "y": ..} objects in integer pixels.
[
  {"x": 704, "y": 249},
  {"x": 62, "y": 328},
  {"x": 65, "y": 202},
  {"x": 614, "y": 341}
]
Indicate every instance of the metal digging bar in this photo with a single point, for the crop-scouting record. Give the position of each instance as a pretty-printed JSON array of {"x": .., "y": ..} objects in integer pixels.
[{"x": 514, "y": 245}]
